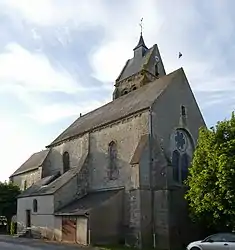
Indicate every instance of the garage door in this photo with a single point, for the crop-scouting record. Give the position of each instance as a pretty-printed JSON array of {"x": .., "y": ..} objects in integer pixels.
[{"x": 69, "y": 225}]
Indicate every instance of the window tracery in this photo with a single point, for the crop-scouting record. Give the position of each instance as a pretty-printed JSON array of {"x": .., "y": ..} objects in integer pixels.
[{"x": 181, "y": 155}]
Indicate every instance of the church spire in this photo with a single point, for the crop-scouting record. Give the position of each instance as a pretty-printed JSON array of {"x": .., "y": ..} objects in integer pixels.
[
  {"x": 140, "y": 48},
  {"x": 140, "y": 43}
]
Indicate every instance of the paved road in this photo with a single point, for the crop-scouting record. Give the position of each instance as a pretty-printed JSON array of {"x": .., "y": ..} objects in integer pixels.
[{"x": 11, "y": 243}]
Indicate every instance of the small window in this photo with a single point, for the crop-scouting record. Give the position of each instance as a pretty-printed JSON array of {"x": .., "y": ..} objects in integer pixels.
[
  {"x": 183, "y": 110},
  {"x": 66, "y": 162},
  {"x": 35, "y": 206},
  {"x": 112, "y": 151}
]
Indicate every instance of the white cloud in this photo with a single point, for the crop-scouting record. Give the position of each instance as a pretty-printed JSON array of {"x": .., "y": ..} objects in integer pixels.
[
  {"x": 18, "y": 144},
  {"x": 33, "y": 72},
  {"x": 45, "y": 114},
  {"x": 51, "y": 12}
]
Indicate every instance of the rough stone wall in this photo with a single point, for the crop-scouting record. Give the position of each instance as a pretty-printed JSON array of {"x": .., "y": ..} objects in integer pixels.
[
  {"x": 136, "y": 80},
  {"x": 30, "y": 177},
  {"x": 144, "y": 168},
  {"x": 146, "y": 218},
  {"x": 75, "y": 188},
  {"x": 76, "y": 149},
  {"x": 126, "y": 134},
  {"x": 161, "y": 219},
  {"x": 109, "y": 217}
]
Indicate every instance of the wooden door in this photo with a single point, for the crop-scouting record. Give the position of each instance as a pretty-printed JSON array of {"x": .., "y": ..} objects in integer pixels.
[
  {"x": 69, "y": 225},
  {"x": 28, "y": 218}
]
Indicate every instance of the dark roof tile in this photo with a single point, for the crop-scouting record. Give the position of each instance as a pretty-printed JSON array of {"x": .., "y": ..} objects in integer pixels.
[
  {"x": 55, "y": 181},
  {"x": 88, "y": 202},
  {"x": 121, "y": 107},
  {"x": 34, "y": 162}
]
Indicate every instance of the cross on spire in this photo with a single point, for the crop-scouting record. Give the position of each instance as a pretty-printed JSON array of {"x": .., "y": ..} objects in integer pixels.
[
  {"x": 141, "y": 43},
  {"x": 141, "y": 25}
]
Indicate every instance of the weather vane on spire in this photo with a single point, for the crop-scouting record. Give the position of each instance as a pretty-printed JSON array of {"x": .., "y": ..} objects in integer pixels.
[{"x": 141, "y": 25}]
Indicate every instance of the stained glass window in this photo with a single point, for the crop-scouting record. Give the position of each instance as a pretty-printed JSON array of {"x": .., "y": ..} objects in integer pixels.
[{"x": 175, "y": 165}]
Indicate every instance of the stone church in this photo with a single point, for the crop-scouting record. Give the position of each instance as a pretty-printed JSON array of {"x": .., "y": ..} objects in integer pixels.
[{"x": 116, "y": 175}]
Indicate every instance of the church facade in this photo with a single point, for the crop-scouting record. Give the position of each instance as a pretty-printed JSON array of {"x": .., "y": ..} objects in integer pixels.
[{"x": 116, "y": 175}]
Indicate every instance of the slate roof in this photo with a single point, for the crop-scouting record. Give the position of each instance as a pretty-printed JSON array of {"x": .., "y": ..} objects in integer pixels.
[
  {"x": 34, "y": 162},
  {"x": 37, "y": 187},
  {"x": 51, "y": 184},
  {"x": 87, "y": 203},
  {"x": 141, "y": 43},
  {"x": 121, "y": 107},
  {"x": 134, "y": 65}
]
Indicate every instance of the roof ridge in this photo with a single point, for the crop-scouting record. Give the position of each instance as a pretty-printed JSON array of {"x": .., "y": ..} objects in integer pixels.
[
  {"x": 114, "y": 110},
  {"x": 24, "y": 168}
]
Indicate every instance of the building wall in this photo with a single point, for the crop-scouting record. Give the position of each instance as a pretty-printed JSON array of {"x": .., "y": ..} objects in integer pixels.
[
  {"x": 76, "y": 187},
  {"x": 166, "y": 118},
  {"x": 166, "y": 112},
  {"x": 146, "y": 218},
  {"x": 106, "y": 221},
  {"x": 126, "y": 134},
  {"x": 76, "y": 149},
  {"x": 144, "y": 168},
  {"x": 30, "y": 178},
  {"x": 42, "y": 221}
]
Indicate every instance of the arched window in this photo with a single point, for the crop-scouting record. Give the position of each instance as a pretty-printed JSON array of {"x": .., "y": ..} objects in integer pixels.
[
  {"x": 66, "y": 162},
  {"x": 184, "y": 167},
  {"x": 175, "y": 165},
  {"x": 35, "y": 206},
  {"x": 156, "y": 70},
  {"x": 133, "y": 88},
  {"x": 112, "y": 152},
  {"x": 182, "y": 154},
  {"x": 124, "y": 92}
]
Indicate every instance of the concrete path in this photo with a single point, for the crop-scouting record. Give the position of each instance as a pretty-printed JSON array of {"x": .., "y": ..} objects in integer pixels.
[{"x": 13, "y": 243}]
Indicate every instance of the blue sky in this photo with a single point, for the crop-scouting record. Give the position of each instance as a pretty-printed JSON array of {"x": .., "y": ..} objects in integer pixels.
[{"x": 60, "y": 58}]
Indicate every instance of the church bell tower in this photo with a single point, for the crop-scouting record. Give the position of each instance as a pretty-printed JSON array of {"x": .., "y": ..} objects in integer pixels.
[{"x": 145, "y": 66}]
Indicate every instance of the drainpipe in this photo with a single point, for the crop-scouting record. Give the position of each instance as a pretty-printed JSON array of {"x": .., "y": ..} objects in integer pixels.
[{"x": 150, "y": 175}]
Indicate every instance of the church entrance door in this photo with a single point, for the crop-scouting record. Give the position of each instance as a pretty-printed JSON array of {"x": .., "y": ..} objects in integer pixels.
[
  {"x": 28, "y": 218},
  {"x": 69, "y": 225}
]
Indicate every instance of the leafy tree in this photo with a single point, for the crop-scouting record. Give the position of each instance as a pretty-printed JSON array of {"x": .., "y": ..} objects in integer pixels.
[
  {"x": 211, "y": 180},
  {"x": 8, "y": 200}
]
